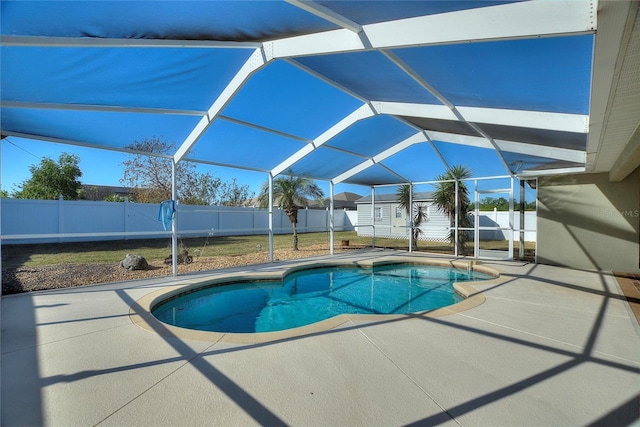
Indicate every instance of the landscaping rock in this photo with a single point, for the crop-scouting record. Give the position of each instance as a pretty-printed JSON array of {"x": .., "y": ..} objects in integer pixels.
[{"x": 134, "y": 262}]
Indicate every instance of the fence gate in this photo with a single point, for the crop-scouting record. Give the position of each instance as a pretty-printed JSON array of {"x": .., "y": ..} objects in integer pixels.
[{"x": 490, "y": 240}]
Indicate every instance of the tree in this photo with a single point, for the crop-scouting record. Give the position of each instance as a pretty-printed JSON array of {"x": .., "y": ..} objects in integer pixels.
[
  {"x": 232, "y": 194},
  {"x": 501, "y": 204},
  {"x": 290, "y": 192},
  {"x": 404, "y": 197},
  {"x": 150, "y": 175},
  {"x": 445, "y": 200},
  {"x": 51, "y": 179},
  {"x": 115, "y": 198}
]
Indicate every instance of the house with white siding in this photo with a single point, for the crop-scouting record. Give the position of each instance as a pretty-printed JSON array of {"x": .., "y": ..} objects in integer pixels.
[{"x": 389, "y": 218}]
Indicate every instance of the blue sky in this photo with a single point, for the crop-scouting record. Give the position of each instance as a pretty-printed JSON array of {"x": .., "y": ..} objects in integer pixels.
[{"x": 103, "y": 167}]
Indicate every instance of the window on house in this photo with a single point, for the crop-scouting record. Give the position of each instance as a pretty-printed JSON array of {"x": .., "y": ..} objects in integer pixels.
[
  {"x": 377, "y": 214},
  {"x": 398, "y": 212}
]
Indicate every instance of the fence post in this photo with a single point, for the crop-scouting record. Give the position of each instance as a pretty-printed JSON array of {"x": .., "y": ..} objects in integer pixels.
[
  {"x": 126, "y": 218},
  {"x": 60, "y": 218}
]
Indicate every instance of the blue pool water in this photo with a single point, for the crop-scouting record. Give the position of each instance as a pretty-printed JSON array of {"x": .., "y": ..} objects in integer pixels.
[{"x": 309, "y": 296}]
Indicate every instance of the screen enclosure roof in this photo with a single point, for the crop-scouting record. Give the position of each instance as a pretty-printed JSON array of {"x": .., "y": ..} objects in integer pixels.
[{"x": 359, "y": 92}]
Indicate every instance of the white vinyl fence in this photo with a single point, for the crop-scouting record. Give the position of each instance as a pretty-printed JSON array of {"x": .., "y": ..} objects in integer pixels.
[
  {"x": 46, "y": 221},
  {"x": 501, "y": 219},
  {"x": 487, "y": 219}
]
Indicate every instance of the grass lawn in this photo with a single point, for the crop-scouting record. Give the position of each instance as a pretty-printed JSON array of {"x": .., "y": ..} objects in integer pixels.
[{"x": 156, "y": 249}]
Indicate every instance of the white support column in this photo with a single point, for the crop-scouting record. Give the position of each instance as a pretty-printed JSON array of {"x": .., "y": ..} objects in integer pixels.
[
  {"x": 476, "y": 226},
  {"x": 331, "y": 218},
  {"x": 0, "y": 221},
  {"x": 174, "y": 221},
  {"x": 270, "y": 218},
  {"x": 511, "y": 219},
  {"x": 537, "y": 216},
  {"x": 457, "y": 223},
  {"x": 411, "y": 224},
  {"x": 522, "y": 215},
  {"x": 373, "y": 217}
]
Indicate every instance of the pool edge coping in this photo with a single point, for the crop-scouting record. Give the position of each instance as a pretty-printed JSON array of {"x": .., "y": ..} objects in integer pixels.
[{"x": 140, "y": 312}]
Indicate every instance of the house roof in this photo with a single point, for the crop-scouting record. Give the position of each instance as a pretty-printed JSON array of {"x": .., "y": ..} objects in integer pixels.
[
  {"x": 419, "y": 196},
  {"x": 361, "y": 92}
]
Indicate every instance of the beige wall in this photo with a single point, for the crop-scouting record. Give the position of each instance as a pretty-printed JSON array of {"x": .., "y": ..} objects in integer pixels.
[{"x": 585, "y": 221}]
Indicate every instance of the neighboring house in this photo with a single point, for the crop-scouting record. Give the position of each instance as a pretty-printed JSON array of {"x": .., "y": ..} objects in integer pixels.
[
  {"x": 390, "y": 219},
  {"x": 345, "y": 200}
]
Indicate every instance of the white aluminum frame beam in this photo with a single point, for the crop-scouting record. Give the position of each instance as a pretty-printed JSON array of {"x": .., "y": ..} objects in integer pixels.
[
  {"x": 451, "y": 109},
  {"x": 326, "y": 14},
  {"x": 511, "y": 146},
  {"x": 225, "y": 165},
  {"x": 362, "y": 112},
  {"x": 256, "y": 61},
  {"x": 99, "y": 108},
  {"x": 39, "y": 41},
  {"x": 548, "y": 172},
  {"x": 80, "y": 144},
  {"x": 264, "y": 129},
  {"x": 546, "y": 151},
  {"x": 414, "y": 139},
  {"x": 563, "y": 122},
  {"x": 502, "y": 22},
  {"x": 427, "y": 86}
]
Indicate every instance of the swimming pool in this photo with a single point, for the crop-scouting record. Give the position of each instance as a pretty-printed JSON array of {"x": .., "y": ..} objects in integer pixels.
[{"x": 313, "y": 295}]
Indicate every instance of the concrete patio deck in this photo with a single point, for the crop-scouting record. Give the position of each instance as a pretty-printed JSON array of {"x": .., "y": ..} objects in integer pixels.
[{"x": 549, "y": 346}]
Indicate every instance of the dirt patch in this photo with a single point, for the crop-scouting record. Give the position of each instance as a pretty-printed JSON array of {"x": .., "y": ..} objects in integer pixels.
[{"x": 30, "y": 278}]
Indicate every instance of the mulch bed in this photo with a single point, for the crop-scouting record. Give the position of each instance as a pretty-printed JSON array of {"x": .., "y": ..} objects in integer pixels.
[{"x": 28, "y": 278}]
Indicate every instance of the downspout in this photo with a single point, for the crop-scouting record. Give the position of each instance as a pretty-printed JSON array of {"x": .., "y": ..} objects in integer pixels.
[{"x": 174, "y": 221}]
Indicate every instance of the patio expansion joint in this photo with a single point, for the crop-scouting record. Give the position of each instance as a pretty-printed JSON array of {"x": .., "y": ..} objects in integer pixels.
[
  {"x": 152, "y": 386},
  {"x": 42, "y": 344},
  {"x": 522, "y": 301},
  {"x": 579, "y": 347},
  {"x": 406, "y": 374}
]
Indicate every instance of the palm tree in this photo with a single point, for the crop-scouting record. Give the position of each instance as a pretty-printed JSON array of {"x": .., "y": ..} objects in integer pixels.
[
  {"x": 445, "y": 199},
  {"x": 291, "y": 192},
  {"x": 404, "y": 197}
]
